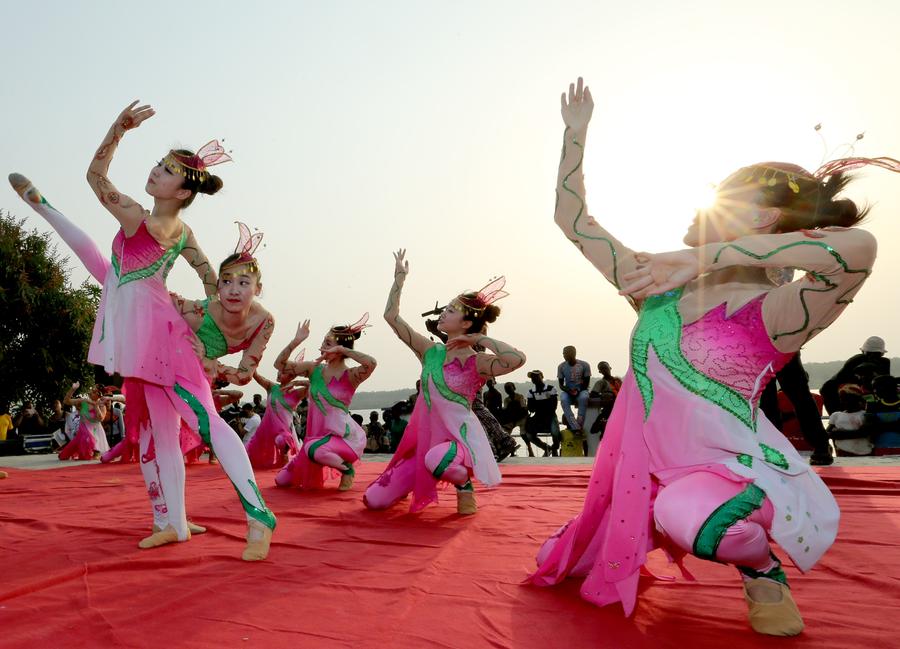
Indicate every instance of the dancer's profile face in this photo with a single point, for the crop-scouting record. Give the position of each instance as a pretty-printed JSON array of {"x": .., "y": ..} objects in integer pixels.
[
  {"x": 735, "y": 213},
  {"x": 328, "y": 342},
  {"x": 237, "y": 287},
  {"x": 163, "y": 184},
  {"x": 452, "y": 320}
]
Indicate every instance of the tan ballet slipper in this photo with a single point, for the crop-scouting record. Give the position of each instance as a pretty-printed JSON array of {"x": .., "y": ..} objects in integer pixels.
[
  {"x": 3, "y": 474},
  {"x": 193, "y": 528},
  {"x": 162, "y": 537},
  {"x": 779, "y": 618},
  {"x": 346, "y": 482},
  {"x": 258, "y": 539},
  {"x": 465, "y": 503},
  {"x": 24, "y": 188}
]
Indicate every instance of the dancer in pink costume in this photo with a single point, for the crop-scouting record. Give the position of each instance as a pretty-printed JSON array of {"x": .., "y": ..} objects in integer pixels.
[
  {"x": 275, "y": 441},
  {"x": 88, "y": 441},
  {"x": 444, "y": 440},
  {"x": 332, "y": 438},
  {"x": 141, "y": 336},
  {"x": 686, "y": 463}
]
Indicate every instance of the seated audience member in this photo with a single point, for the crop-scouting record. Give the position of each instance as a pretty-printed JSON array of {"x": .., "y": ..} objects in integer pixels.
[
  {"x": 872, "y": 353},
  {"x": 883, "y": 415},
  {"x": 847, "y": 425},
  {"x": 574, "y": 377},
  {"x": 515, "y": 409},
  {"x": 542, "y": 403}
]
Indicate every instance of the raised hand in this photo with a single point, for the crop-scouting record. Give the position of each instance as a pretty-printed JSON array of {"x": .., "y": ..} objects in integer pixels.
[
  {"x": 656, "y": 274},
  {"x": 334, "y": 349},
  {"x": 577, "y": 106},
  {"x": 302, "y": 331},
  {"x": 401, "y": 266},
  {"x": 133, "y": 115},
  {"x": 76, "y": 385}
]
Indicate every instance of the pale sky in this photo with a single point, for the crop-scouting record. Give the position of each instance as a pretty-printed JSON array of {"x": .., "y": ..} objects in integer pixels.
[{"x": 361, "y": 127}]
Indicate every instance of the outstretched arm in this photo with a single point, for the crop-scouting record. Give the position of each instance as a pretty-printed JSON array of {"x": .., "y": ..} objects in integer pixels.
[
  {"x": 283, "y": 362},
  {"x": 195, "y": 256},
  {"x": 415, "y": 341},
  {"x": 263, "y": 381},
  {"x": 128, "y": 213},
  {"x": 603, "y": 250},
  {"x": 68, "y": 400}
]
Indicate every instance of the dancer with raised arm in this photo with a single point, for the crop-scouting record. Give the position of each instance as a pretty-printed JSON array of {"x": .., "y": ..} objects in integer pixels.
[
  {"x": 139, "y": 333},
  {"x": 275, "y": 441},
  {"x": 444, "y": 440},
  {"x": 333, "y": 439},
  {"x": 88, "y": 441},
  {"x": 687, "y": 463}
]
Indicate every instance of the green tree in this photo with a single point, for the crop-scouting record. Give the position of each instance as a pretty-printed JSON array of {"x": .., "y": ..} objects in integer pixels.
[{"x": 45, "y": 323}]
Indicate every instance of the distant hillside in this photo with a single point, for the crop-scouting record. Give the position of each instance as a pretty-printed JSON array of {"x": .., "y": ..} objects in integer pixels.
[{"x": 818, "y": 374}]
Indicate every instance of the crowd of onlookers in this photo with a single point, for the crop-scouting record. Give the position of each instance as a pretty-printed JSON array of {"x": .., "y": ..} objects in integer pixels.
[{"x": 862, "y": 402}]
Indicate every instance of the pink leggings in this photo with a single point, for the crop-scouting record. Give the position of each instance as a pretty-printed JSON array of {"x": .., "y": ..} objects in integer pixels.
[
  {"x": 330, "y": 450},
  {"x": 444, "y": 461},
  {"x": 717, "y": 519}
]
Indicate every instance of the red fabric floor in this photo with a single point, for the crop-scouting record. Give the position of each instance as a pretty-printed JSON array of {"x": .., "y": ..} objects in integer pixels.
[{"x": 341, "y": 576}]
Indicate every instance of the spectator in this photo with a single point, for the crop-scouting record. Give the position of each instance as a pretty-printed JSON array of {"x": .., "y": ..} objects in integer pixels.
[
  {"x": 607, "y": 382},
  {"x": 117, "y": 425},
  {"x": 374, "y": 434},
  {"x": 29, "y": 420},
  {"x": 873, "y": 352},
  {"x": 883, "y": 414},
  {"x": 542, "y": 402},
  {"x": 515, "y": 409},
  {"x": 846, "y": 426},
  {"x": 56, "y": 424},
  {"x": 395, "y": 426},
  {"x": 502, "y": 442},
  {"x": 574, "y": 376},
  {"x": 248, "y": 422},
  {"x": 6, "y": 422},
  {"x": 794, "y": 383},
  {"x": 493, "y": 399},
  {"x": 259, "y": 407}
]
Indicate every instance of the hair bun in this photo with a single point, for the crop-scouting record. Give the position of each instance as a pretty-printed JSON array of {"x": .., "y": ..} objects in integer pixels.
[
  {"x": 491, "y": 313},
  {"x": 210, "y": 185}
]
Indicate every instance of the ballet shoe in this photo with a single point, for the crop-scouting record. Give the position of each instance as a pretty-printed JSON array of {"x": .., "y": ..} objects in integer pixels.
[
  {"x": 780, "y": 618},
  {"x": 3, "y": 474},
  {"x": 24, "y": 188},
  {"x": 465, "y": 503},
  {"x": 258, "y": 539},
  {"x": 162, "y": 537},
  {"x": 346, "y": 482},
  {"x": 193, "y": 528}
]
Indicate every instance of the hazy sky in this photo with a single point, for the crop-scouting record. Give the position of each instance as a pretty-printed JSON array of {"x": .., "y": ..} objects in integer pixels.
[{"x": 361, "y": 127}]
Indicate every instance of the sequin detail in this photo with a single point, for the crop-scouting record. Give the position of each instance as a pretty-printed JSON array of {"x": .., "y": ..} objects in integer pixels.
[
  {"x": 445, "y": 461},
  {"x": 198, "y": 410},
  {"x": 318, "y": 390},
  {"x": 165, "y": 261},
  {"x": 214, "y": 343},
  {"x": 433, "y": 368},
  {"x": 659, "y": 325},
  {"x": 829, "y": 285},
  {"x": 727, "y": 514},
  {"x": 263, "y": 514},
  {"x": 746, "y": 460},
  {"x": 774, "y": 456}
]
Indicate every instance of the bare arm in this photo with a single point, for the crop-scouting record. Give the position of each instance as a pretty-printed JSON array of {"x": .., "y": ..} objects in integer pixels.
[
  {"x": 836, "y": 261},
  {"x": 603, "y": 250},
  {"x": 195, "y": 256},
  {"x": 242, "y": 374},
  {"x": 503, "y": 359},
  {"x": 68, "y": 400},
  {"x": 263, "y": 381},
  {"x": 283, "y": 362},
  {"x": 366, "y": 364},
  {"x": 190, "y": 310},
  {"x": 128, "y": 213},
  {"x": 418, "y": 343}
]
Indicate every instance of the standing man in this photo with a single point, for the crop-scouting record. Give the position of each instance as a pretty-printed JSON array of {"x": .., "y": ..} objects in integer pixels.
[{"x": 574, "y": 376}]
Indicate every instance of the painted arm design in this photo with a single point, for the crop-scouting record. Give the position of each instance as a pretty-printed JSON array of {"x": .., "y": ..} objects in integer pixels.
[
  {"x": 504, "y": 357},
  {"x": 418, "y": 343},
  {"x": 242, "y": 374},
  {"x": 837, "y": 261},
  {"x": 198, "y": 260},
  {"x": 190, "y": 310},
  {"x": 263, "y": 381},
  {"x": 364, "y": 370},
  {"x": 127, "y": 212}
]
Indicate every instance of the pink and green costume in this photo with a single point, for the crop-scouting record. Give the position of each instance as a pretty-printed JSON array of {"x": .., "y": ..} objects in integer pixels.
[
  {"x": 688, "y": 464},
  {"x": 332, "y": 438},
  {"x": 88, "y": 438},
  {"x": 140, "y": 335},
  {"x": 276, "y": 431},
  {"x": 444, "y": 441}
]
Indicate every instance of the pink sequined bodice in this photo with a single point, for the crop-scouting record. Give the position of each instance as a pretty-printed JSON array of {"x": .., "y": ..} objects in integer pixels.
[
  {"x": 736, "y": 350},
  {"x": 140, "y": 255},
  {"x": 341, "y": 388},
  {"x": 463, "y": 378}
]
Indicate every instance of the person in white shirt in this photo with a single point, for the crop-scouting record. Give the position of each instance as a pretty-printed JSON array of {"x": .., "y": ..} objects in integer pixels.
[{"x": 248, "y": 422}]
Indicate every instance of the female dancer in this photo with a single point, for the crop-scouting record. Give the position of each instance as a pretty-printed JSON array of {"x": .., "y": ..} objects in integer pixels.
[
  {"x": 275, "y": 440},
  {"x": 332, "y": 439},
  {"x": 444, "y": 440},
  {"x": 686, "y": 462},
  {"x": 139, "y": 333},
  {"x": 89, "y": 440}
]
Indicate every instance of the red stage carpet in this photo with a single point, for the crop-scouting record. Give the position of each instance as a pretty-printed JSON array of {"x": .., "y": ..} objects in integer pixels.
[{"x": 341, "y": 576}]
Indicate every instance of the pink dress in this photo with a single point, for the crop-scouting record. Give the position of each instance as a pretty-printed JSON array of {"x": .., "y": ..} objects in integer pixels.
[
  {"x": 84, "y": 444},
  {"x": 328, "y": 419},
  {"x": 276, "y": 430},
  {"x": 443, "y": 413},
  {"x": 687, "y": 404}
]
